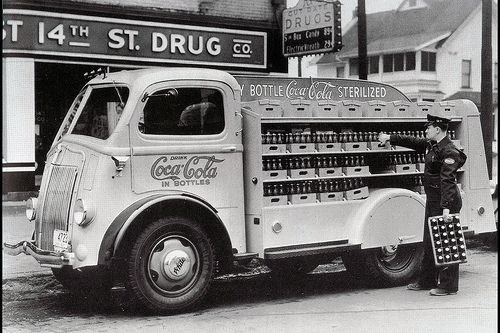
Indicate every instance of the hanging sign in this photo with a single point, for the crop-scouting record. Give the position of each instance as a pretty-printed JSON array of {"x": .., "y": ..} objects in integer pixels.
[{"x": 312, "y": 27}]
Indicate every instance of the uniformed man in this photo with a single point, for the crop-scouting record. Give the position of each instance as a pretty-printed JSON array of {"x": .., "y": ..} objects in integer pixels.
[{"x": 442, "y": 160}]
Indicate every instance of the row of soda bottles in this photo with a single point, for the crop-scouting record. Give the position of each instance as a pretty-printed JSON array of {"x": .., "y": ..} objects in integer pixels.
[
  {"x": 333, "y": 137},
  {"x": 451, "y": 257},
  {"x": 306, "y": 162},
  {"x": 316, "y": 186}
]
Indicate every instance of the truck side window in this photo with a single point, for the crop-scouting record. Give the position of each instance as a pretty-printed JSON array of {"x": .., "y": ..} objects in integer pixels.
[{"x": 184, "y": 111}]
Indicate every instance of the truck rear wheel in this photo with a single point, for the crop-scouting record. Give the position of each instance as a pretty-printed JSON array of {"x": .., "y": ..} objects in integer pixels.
[
  {"x": 387, "y": 266},
  {"x": 171, "y": 265}
]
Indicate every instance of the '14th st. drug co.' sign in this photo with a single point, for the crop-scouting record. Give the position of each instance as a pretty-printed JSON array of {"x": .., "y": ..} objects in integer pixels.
[{"x": 43, "y": 33}]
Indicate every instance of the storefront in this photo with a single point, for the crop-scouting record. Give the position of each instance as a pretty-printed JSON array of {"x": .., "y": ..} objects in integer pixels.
[{"x": 47, "y": 49}]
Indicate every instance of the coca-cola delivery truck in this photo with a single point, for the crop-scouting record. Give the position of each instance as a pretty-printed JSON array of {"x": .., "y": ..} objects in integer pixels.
[{"x": 163, "y": 179}]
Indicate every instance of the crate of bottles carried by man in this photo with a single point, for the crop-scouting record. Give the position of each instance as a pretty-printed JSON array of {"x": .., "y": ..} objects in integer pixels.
[{"x": 448, "y": 241}]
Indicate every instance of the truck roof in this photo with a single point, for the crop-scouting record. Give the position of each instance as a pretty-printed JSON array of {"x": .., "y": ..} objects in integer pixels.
[{"x": 146, "y": 77}]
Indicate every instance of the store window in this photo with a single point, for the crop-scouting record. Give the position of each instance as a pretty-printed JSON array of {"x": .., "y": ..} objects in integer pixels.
[
  {"x": 353, "y": 66},
  {"x": 466, "y": 70},
  {"x": 340, "y": 71},
  {"x": 373, "y": 67},
  {"x": 428, "y": 61},
  {"x": 183, "y": 111}
]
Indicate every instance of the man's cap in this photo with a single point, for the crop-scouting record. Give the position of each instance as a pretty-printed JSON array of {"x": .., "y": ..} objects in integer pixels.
[{"x": 436, "y": 121}]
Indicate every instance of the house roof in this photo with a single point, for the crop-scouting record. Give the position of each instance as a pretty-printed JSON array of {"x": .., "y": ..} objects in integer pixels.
[
  {"x": 474, "y": 96},
  {"x": 406, "y": 30}
]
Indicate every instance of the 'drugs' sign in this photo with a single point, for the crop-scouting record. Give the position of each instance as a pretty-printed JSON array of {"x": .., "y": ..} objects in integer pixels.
[{"x": 312, "y": 27}]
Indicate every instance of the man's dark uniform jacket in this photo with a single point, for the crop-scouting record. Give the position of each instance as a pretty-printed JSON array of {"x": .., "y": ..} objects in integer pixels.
[{"x": 442, "y": 160}]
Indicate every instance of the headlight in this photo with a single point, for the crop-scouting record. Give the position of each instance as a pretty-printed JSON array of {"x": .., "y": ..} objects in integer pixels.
[
  {"x": 82, "y": 215},
  {"x": 31, "y": 206}
]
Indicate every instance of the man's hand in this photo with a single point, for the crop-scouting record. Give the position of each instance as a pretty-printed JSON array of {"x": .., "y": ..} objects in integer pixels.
[
  {"x": 383, "y": 137},
  {"x": 446, "y": 215}
]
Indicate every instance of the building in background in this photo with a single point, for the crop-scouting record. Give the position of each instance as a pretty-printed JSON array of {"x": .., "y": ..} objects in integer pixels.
[
  {"x": 429, "y": 49},
  {"x": 49, "y": 44}
]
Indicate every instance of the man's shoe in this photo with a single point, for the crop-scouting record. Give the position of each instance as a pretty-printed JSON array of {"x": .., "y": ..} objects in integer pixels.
[
  {"x": 441, "y": 292},
  {"x": 416, "y": 286}
]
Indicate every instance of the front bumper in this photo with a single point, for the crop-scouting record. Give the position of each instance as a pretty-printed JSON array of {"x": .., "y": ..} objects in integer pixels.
[{"x": 45, "y": 258}]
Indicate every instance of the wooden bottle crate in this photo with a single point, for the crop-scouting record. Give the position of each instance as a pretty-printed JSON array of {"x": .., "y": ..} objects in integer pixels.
[
  {"x": 278, "y": 148},
  {"x": 329, "y": 147},
  {"x": 302, "y": 173},
  {"x": 329, "y": 172},
  {"x": 277, "y": 200},
  {"x": 301, "y": 147},
  {"x": 374, "y": 145},
  {"x": 274, "y": 174},
  {"x": 359, "y": 193},
  {"x": 297, "y": 199},
  {"x": 350, "y": 109},
  {"x": 331, "y": 196},
  {"x": 405, "y": 168},
  {"x": 355, "y": 146},
  {"x": 325, "y": 108},
  {"x": 356, "y": 170},
  {"x": 297, "y": 108}
]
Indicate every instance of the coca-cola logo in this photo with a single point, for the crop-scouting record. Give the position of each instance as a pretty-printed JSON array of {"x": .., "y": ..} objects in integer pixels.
[{"x": 178, "y": 167}]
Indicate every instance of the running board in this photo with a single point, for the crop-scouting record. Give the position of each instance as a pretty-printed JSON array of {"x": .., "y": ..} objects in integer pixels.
[
  {"x": 244, "y": 256},
  {"x": 303, "y": 250}
]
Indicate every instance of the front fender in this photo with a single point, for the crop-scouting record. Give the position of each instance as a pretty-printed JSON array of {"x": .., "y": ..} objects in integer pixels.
[
  {"x": 118, "y": 228},
  {"x": 389, "y": 216}
]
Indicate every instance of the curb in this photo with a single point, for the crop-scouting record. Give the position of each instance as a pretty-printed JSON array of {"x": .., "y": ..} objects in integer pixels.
[
  {"x": 13, "y": 203},
  {"x": 24, "y": 275}
]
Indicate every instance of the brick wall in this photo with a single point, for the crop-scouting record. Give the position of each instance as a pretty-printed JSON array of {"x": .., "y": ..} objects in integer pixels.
[{"x": 256, "y": 10}]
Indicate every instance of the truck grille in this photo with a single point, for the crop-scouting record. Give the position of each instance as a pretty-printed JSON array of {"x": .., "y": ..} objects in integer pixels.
[{"x": 55, "y": 200}]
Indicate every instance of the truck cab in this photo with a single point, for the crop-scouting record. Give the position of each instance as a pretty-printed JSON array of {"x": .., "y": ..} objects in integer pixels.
[{"x": 163, "y": 178}]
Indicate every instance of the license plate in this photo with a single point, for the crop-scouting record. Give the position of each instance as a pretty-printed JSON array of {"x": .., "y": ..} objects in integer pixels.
[{"x": 61, "y": 239}]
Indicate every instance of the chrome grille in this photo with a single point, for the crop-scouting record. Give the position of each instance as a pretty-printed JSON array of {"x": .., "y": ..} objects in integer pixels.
[{"x": 55, "y": 201}]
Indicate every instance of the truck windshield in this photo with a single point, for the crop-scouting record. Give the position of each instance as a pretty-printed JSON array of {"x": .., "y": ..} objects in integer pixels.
[{"x": 101, "y": 112}]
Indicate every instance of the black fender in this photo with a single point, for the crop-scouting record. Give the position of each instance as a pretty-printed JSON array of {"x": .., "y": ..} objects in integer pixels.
[{"x": 113, "y": 242}]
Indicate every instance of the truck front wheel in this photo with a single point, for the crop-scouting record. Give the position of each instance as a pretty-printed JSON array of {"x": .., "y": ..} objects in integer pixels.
[
  {"x": 171, "y": 265},
  {"x": 387, "y": 266}
]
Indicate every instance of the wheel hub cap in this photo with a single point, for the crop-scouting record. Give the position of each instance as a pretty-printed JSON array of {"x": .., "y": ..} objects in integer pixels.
[
  {"x": 173, "y": 265},
  {"x": 176, "y": 264}
]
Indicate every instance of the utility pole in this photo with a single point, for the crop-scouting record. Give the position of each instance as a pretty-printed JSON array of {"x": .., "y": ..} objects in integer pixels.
[
  {"x": 362, "y": 52},
  {"x": 299, "y": 66},
  {"x": 486, "y": 84}
]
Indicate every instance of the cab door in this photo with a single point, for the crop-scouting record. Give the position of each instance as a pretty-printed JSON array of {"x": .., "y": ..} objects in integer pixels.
[{"x": 186, "y": 138}]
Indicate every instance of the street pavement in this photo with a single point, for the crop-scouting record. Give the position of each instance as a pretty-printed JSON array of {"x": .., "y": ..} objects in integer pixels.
[
  {"x": 328, "y": 300},
  {"x": 15, "y": 228}
]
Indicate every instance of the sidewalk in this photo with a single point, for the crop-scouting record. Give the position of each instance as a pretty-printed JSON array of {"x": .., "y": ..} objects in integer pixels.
[{"x": 15, "y": 228}]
